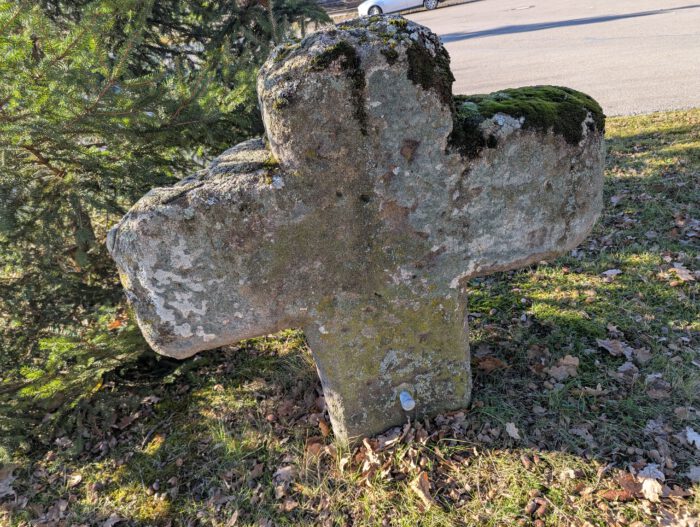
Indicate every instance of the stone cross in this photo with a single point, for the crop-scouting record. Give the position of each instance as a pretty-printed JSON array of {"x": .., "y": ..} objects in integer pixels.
[{"x": 375, "y": 196}]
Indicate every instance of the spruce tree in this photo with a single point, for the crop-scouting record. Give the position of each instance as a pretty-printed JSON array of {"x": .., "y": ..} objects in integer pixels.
[
  {"x": 292, "y": 14},
  {"x": 101, "y": 100}
]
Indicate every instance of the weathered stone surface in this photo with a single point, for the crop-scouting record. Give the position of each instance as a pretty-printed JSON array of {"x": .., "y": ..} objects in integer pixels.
[{"x": 376, "y": 197}]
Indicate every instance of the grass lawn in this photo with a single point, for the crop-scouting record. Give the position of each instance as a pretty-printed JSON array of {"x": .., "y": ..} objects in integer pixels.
[{"x": 586, "y": 399}]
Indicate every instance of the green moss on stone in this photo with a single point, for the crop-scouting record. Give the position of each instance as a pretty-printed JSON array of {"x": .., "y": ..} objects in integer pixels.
[
  {"x": 431, "y": 73},
  {"x": 285, "y": 50},
  {"x": 280, "y": 102},
  {"x": 349, "y": 61},
  {"x": 271, "y": 162},
  {"x": 340, "y": 50},
  {"x": 541, "y": 108},
  {"x": 400, "y": 23},
  {"x": 391, "y": 55}
]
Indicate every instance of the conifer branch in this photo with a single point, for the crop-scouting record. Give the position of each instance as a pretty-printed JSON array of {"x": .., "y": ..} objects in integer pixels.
[{"x": 43, "y": 160}]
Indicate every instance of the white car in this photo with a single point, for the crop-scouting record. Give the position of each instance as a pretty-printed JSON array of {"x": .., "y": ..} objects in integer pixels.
[{"x": 377, "y": 7}]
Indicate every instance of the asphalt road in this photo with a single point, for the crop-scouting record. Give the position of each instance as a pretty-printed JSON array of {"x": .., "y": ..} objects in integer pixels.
[{"x": 633, "y": 56}]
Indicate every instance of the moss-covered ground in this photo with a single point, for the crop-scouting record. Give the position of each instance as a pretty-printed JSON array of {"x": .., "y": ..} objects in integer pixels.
[{"x": 240, "y": 436}]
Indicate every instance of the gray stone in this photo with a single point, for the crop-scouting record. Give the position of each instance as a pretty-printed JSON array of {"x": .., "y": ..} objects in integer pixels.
[{"x": 376, "y": 196}]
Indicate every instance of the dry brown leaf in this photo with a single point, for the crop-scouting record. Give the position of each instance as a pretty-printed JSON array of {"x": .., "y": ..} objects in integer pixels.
[
  {"x": 566, "y": 367},
  {"x": 616, "y": 495},
  {"x": 61, "y": 505},
  {"x": 587, "y": 390},
  {"x": 676, "y": 492},
  {"x": 314, "y": 449},
  {"x": 280, "y": 491},
  {"x": 628, "y": 372},
  {"x": 531, "y": 507},
  {"x": 652, "y": 489},
  {"x": 692, "y": 436},
  {"x": 370, "y": 449},
  {"x": 683, "y": 274},
  {"x": 421, "y": 486},
  {"x": 611, "y": 273},
  {"x": 642, "y": 355},
  {"x": 289, "y": 505},
  {"x": 6, "y": 479},
  {"x": 344, "y": 461},
  {"x": 233, "y": 520},
  {"x": 658, "y": 394},
  {"x": 116, "y": 323},
  {"x": 615, "y": 347},
  {"x": 682, "y": 413},
  {"x": 112, "y": 520},
  {"x": 614, "y": 331},
  {"x": 150, "y": 399},
  {"x": 679, "y": 518},
  {"x": 256, "y": 471},
  {"x": 325, "y": 427},
  {"x": 628, "y": 482},
  {"x": 285, "y": 409},
  {"x": 566, "y": 474},
  {"x": 359, "y": 456},
  {"x": 74, "y": 480},
  {"x": 651, "y": 478},
  {"x": 489, "y": 364},
  {"x": 657, "y": 387},
  {"x": 597, "y": 391},
  {"x": 127, "y": 420},
  {"x": 284, "y": 474},
  {"x": 512, "y": 430},
  {"x": 389, "y": 438}
]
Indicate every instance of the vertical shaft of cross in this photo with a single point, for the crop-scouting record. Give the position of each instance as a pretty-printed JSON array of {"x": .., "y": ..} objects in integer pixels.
[{"x": 370, "y": 350}]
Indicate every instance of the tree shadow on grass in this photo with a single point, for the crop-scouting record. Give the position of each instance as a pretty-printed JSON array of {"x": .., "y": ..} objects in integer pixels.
[{"x": 177, "y": 441}]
